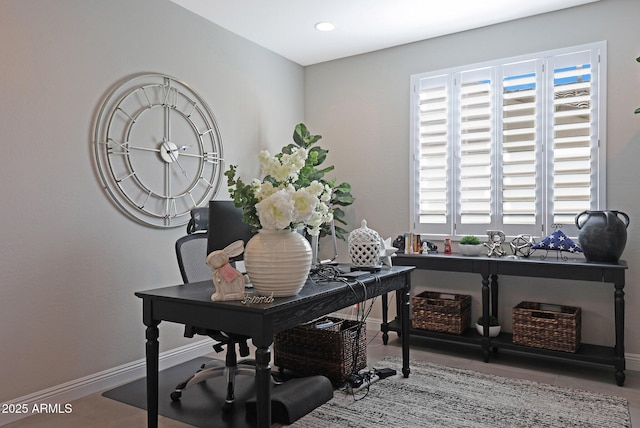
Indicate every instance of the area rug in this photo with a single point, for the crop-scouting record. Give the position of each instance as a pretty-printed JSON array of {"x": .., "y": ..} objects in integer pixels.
[{"x": 438, "y": 396}]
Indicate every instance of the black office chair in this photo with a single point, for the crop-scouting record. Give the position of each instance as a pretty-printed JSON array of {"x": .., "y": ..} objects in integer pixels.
[{"x": 191, "y": 251}]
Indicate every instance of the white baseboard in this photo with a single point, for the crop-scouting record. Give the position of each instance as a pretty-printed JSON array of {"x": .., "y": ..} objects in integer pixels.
[
  {"x": 632, "y": 362},
  {"x": 97, "y": 382}
]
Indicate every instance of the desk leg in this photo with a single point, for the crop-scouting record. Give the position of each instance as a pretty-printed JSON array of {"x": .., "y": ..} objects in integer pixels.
[
  {"x": 619, "y": 321},
  {"x": 263, "y": 386},
  {"x": 152, "y": 354},
  {"x": 404, "y": 317}
]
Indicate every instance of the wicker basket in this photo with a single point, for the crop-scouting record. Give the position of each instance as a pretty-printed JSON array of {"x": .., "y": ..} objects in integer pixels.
[
  {"x": 547, "y": 326},
  {"x": 330, "y": 351},
  {"x": 449, "y": 313}
]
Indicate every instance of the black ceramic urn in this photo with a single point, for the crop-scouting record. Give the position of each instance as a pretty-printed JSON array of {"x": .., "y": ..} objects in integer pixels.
[{"x": 602, "y": 235}]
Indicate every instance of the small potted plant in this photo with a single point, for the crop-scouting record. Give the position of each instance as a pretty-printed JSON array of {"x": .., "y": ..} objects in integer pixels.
[
  {"x": 494, "y": 326},
  {"x": 470, "y": 245}
]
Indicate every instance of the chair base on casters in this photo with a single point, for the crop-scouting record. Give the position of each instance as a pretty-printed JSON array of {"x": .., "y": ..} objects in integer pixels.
[{"x": 212, "y": 370}]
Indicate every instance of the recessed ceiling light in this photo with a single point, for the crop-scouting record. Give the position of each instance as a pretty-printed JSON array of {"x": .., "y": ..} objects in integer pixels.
[{"x": 324, "y": 26}]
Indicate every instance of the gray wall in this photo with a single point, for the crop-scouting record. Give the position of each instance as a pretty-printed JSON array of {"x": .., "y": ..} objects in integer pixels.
[
  {"x": 70, "y": 261},
  {"x": 361, "y": 107}
]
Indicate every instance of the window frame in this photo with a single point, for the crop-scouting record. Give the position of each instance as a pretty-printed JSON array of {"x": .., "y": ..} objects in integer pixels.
[{"x": 544, "y": 136}]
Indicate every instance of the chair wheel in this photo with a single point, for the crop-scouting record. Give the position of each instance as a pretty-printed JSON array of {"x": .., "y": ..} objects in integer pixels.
[{"x": 175, "y": 395}]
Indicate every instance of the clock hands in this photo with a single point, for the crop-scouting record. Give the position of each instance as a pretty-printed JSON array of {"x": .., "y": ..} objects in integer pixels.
[
  {"x": 180, "y": 166},
  {"x": 169, "y": 154},
  {"x": 143, "y": 148},
  {"x": 172, "y": 149},
  {"x": 149, "y": 149},
  {"x": 123, "y": 148}
]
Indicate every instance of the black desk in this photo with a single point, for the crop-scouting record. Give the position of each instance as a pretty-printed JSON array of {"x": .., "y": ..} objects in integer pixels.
[
  {"x": 490, "y": 268},
  {"x": 191, "y": 304}
]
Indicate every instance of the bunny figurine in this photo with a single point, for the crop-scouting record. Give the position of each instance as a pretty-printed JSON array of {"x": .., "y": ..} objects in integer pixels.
[{"x": 229, "y": 282}]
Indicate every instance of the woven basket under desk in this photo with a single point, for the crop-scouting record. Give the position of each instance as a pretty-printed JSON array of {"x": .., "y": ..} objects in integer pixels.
[
  {"x": 449, "y": 313},
  {"x": 308, "y": 350},
  {"x": 547, "y": 326}
]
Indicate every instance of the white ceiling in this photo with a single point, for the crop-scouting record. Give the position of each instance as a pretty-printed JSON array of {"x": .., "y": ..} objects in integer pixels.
[{"x": 287, "y": 26}]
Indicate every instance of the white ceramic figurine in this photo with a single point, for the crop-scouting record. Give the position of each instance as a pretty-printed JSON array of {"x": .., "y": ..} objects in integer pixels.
[{"x": 229, "y": 282}]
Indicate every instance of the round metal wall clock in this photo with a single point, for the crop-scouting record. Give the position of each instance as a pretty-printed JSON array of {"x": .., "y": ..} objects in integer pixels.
[{"x": 158, "y": 150}]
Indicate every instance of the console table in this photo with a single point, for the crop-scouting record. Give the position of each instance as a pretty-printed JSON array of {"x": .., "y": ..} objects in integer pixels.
[
  {"x": 490, "y": 268},
  {"x": 191, "y": 304}
]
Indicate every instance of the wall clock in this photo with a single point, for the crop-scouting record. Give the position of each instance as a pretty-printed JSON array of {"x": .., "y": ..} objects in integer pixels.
[{"x": 158, "y": 150}]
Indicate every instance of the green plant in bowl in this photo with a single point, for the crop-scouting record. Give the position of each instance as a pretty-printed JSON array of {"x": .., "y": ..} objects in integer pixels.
[
  {"x": 470, "y": 245},
  {"x": 470, "y": 240}
]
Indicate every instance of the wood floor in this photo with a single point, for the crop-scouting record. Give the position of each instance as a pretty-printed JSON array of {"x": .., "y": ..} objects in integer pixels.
[{"x": 95, "y": 411}]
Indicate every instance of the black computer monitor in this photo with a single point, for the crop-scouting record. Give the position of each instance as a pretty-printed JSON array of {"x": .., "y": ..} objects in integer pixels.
[{"x": 226, "y": 226}]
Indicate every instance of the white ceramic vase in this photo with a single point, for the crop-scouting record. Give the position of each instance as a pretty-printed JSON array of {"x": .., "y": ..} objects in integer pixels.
[{"x": 278, "y": 262}]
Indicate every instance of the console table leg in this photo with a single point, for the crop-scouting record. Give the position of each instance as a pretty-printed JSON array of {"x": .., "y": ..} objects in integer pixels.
[
  {"x": 620, "y": 377},
  {"x": 486, "y": 346},
  {"x": 384, "y": 327},
  {"x": 494, "y": 295},
  {"x": 494, "y": 302},
  {"x": 619, "y": 321},
  {"x": 486, "y": 343}
]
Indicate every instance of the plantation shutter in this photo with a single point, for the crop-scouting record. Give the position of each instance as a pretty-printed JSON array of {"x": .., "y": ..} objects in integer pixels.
[
  {"x": 432, "y": 154},
  {"x": 519, "y": 202},
  {"x": 475, "y": 151},
  {"x": 515, "y": 145},
  {"x": 574, "y": 139}
]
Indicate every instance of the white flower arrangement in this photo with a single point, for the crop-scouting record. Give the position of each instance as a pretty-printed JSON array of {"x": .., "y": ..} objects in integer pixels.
[{"x": 284, "y": 198}]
